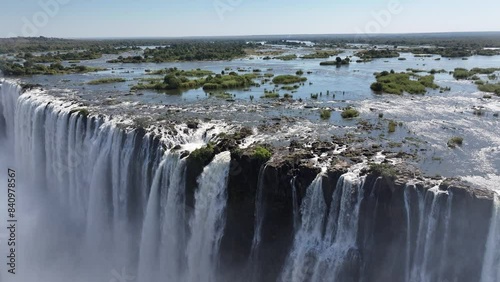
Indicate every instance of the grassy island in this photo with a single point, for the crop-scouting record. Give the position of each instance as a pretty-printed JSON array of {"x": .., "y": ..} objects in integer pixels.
[
  {"x": 377, "y": 53},
  {"x": 179, "y": 80},
  {"x": 398, "y": 83},
  {"x": 10, "y": 68},
  {"x": 288, "y": 79}
]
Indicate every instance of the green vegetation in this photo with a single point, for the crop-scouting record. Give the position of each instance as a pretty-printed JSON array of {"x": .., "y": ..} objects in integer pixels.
[
  {"x": 432, "y": 71},
  {"x": 202, "y": 155},
  {"x": 392, "y": 126},
  {"x": 288, "y": 79},
  {"x": 377, "y": 53},
  {"x": 58, "y": 57},
  {"x": 15, "y": 69},
  {"x": 338, "y": 62},
  {"x": 349, "y": 113},
  {"x": 261, "y": 153},
  {"x": 455, "y": 141},
  {"x": 270, "y": 95},
  {"x": 489, "y": 87},
  {"x": 384, "y": 170},
  {"x": 484, "y": 52},
  {"x": 178, "y": 80},
  {"x": 397, "y": 83},
  {"x": 189, "y": 51},
  {"x": 458, "y": 45},
  {"x": 428, "y": 81},
  {"x": 325, "y": 114},
  {"x": 230, "y": 81},
  {"x": 177, "y": 72},
  {"x": 106, "y": 80},
  {"x": 415, "y": 70},
  {"x": 321, "y": 54},
  {"x": 461, "y": 73},
  {"x": 290, "y": 88},
  {"x": 299, "y": 72},
  {"x": 83, "y": 112},
  {"x": 221, "y": 95},
  {"x": 454, "y": 52}
]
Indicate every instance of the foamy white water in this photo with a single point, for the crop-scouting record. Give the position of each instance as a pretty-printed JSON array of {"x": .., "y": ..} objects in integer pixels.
[{"x": 208, "y": 222}]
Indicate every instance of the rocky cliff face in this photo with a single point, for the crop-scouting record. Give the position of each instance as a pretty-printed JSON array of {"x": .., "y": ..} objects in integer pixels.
[
  {"x": 409, "y": 227},
  {"x": 296, "y": 213}
]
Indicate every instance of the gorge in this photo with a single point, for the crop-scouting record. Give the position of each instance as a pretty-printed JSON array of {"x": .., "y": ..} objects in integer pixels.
[{"x": 101, "y": 201}]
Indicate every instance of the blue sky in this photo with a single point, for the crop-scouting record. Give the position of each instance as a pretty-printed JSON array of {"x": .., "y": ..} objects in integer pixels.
[{"x": 173, "y": 18}]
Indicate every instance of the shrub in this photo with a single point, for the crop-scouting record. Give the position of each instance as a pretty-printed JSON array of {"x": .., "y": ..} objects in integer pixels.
[
  {"x": 377, "y": 87},
  {"x": 106, "y": 80},
  {"x": 384, "y": 169},
  {"x": 288, "y": 79},
  {"x": 455, "y": 141},
  {"x": 261, "y": 153},
  {"x": 349, "y": 113},
  {"x": 202, "y": 155},
  {"x": 392, "y": 126},
  {"x": 222, "y": 95},
  {"x": 325, "y": 114},
  {"x": 83, "y": 112},
  {"x": 270, "y": 95}
]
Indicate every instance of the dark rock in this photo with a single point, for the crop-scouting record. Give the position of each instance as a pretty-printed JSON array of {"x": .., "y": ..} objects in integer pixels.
[{"x": 192, "y": 124}]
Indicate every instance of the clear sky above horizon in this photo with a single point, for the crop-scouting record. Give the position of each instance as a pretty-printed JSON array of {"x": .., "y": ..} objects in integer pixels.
[{"x": 174, "y": 18}]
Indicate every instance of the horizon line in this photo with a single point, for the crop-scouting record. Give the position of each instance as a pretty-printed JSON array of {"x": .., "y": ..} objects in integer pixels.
[{"x": 259, "y": 35}]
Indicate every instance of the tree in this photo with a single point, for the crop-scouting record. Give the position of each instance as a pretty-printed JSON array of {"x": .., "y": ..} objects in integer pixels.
[
  {"x": 339, "y": 60},
  {"x": 57, "y": 66},
  {"x": 172, "y": 81},
  {"x": 377, "y": 87}
]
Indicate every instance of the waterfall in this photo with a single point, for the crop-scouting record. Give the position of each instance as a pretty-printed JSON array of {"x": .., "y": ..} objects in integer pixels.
[
  {"x": 253, "y": 262},
  {"x": 112, "y": 197},
  {"x": 162, "y": 240},
  {"x": 208, "y": 222},
  {"x": 427, "y": 233},
  {"x": 325, "y": 243},
  {"x": 9, "y": 92},
  {"x": 491, "y": 265},
  {"x": 148, "y": 257},
  {"x": 173, "y": 221},
  {"x": 100, "y": 198},
  {"x": 295, "y": 204},
  {"x": 259, "y": 210},
  {"x": 408, "y": 229}
]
